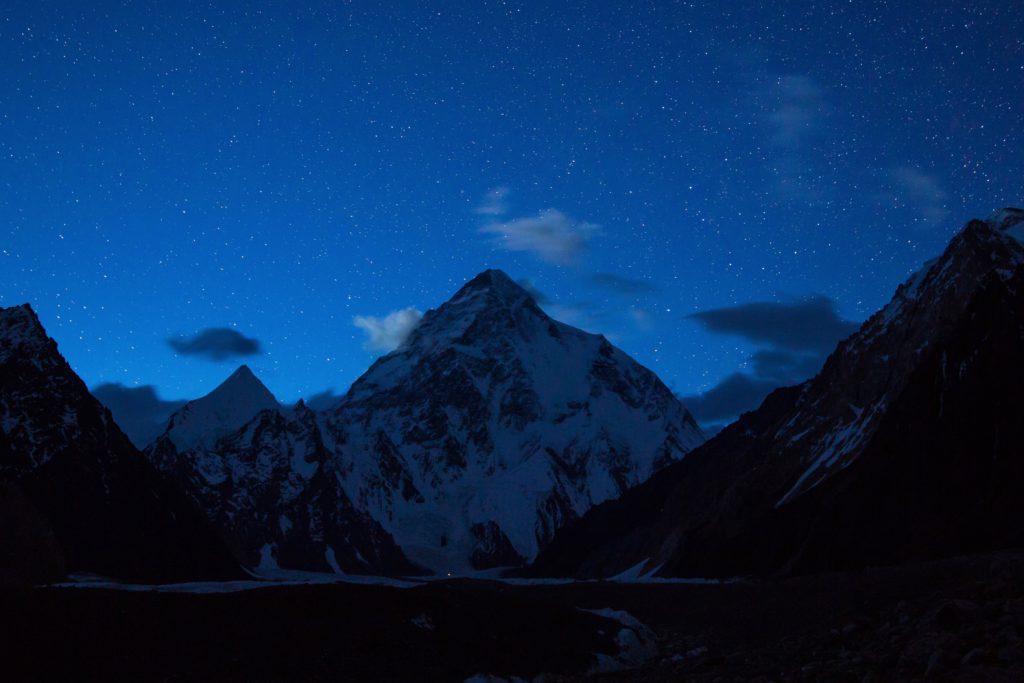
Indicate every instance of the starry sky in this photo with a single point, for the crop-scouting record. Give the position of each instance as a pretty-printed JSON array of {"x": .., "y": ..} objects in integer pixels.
[{"x": 723, "y": 189}]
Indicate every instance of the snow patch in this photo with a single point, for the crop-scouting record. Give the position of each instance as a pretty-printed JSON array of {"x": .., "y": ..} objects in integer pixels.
[
  {"x": 636, "y": 642},
  {"x": 267, "y": 560},
  {"x": 423, "y": 621},
  {"x": 332, "y": 560}
]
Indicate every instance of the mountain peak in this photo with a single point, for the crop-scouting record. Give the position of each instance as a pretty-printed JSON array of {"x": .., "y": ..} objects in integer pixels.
[
  {"x": 242, "y": 385},
  {"x": 493, "y": 425},
  {"x": 496, "y": 282},
  {"x": 20, "y": 326},
  {"x": 492, "y": 277},
  {"x": 233, "y": 403},
  {"x": 22, "y": 315},
  {"x": 243, "y": 374}
]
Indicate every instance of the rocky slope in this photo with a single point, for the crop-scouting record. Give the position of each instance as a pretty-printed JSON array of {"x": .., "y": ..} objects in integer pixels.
[
  {"x": 77, "y": 496},
  {"x": 907, "y": 445}
]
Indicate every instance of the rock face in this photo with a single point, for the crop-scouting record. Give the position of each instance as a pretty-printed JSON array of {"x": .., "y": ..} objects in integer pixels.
[
  {"x": 77, "y": 495},
  {"x": 907, "y": 445},
  {"x": 470, "y": 445}
]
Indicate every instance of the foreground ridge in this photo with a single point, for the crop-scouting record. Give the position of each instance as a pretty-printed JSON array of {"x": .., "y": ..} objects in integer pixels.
[
  {"x": 75, "y": 495},
  {"x": 906, "y": 446}
]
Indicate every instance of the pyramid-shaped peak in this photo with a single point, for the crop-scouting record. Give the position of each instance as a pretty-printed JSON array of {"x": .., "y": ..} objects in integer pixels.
[
  {"x": 237, "y": 400},
  {"x": 243, "y": 380},
  {"x": 495, "y": 283},
  {"x": 493, "y": 277},
  {"x": 243, "y": 373}
]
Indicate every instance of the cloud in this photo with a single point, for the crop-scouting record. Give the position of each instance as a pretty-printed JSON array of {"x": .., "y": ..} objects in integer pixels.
[
  {"x": 217, "y": 344},
  {"x": 387, "y": 333},
  {"x": 798, "y": 108},
  {"x": 923, "y": 192},
  {"x": 324, "y": 400},
  {"x": 642, "y": 318},
  {"x": 621, "y": 284},
  {"x": 551, "y": 236},
  {"x": 809, "y": 325},
  {"x": 138, "y": 411},
  {"x": 736, "y": 394},
  {"x": 539, "y": 297},
  {"x": 494, "y": 202},
  {"x": 783, "y": 367},
  {"x": 798, "y": 336},
  {"x": 582, "y": 314}
]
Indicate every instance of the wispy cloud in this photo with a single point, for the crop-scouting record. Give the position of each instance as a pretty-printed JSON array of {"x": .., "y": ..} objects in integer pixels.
[
  {"x": 539, "y": 297},
  {"x": 621, "y": 284},
  {"x": 324, "y": 400},
  {"x": 799, "y": 103},
  {"x": 216, "y": 344},
  {"x": 494, "y": 203},
  {"x": 920, "y": 191},
  {"x": 795, "y": 116},
  {"x": 384, "y": 334},
  {"x": 551, "y": 236}
]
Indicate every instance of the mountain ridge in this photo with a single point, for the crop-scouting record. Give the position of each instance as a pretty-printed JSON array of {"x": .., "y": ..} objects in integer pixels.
[{"x": 731, "y": 508}]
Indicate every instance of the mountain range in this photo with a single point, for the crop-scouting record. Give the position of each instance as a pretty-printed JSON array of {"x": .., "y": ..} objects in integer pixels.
[
  {"x": 495, "y": 436},
  {"x": 464, "y": 449}
]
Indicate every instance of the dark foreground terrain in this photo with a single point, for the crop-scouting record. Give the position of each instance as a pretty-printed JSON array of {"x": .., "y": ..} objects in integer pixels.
[{"x": 958, "y": 619}]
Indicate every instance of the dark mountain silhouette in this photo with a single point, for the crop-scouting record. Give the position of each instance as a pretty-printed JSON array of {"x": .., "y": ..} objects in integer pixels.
[
  {"x": 907, "y": 445},
  {"x": 77, "y": 496}
]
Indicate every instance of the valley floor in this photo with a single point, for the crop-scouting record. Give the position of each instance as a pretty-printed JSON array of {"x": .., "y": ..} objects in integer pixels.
[{"x": 960, "y": 619}]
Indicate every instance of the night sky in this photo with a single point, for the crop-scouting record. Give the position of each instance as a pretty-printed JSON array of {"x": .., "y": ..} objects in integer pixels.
[{"x": 723, "y": 189}]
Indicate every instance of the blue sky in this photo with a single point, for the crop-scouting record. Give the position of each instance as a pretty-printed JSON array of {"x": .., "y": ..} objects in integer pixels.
[{"x": 284, "y": 169}]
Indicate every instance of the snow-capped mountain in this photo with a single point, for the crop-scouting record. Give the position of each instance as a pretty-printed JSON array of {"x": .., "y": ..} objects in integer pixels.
[
  {"x": 470, "y": 445},
  {"x": 221, "y": 412},
  {"x": 78, "y": 496},
  {"x": 262, "y": 475},
  {"x": 906, "y": 445},
  {"x": 493, "y": 425}
]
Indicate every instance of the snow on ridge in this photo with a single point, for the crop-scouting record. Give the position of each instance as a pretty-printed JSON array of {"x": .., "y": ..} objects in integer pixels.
[
  {"x": 224, "y": 410},
  {"x": 877, "y": 360}
]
